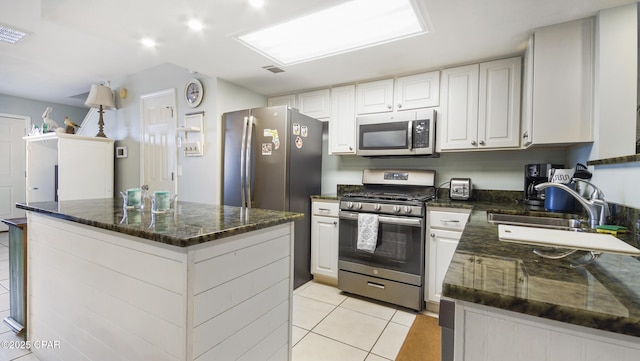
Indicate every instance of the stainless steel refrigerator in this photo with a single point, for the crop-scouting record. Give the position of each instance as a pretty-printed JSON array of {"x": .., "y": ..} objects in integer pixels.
[{"x": 273, "y": 160}]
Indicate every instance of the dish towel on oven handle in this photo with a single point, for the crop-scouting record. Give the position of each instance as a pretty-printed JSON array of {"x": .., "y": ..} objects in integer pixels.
[{"x": 367, "y": 232}]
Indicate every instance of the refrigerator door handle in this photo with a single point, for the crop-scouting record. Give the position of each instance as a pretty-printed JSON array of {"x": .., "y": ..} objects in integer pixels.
[
  {"x": 249, "y": 148},
  {"x": 243, "y": 151}
]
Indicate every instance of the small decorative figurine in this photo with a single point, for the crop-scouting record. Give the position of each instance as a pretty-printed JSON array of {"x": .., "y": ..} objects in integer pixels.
[
  {"x": 51, "y": 124},
  {"x": 71, "y": 126}
]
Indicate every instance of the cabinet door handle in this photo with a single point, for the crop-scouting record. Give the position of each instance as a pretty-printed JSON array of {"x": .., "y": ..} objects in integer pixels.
[
  {"x": 525, "y": 135},
  {"x": 389, "y": 106},
  {"x": 399, "y": 105},
  {"x": 474, "y": 142},
  {"x": 482, "y": 142},
  {"x": 433, "y": 235}
]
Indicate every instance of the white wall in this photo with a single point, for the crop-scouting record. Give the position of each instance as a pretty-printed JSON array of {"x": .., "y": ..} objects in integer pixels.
[
  {"x": 34, "y": 108},
  {"x": 198, "y": 177}
]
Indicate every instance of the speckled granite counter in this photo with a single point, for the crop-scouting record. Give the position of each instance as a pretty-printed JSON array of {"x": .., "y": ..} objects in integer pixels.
[
  {"x": 604, "y": 295},
  {"x": 191, "y": 224}
]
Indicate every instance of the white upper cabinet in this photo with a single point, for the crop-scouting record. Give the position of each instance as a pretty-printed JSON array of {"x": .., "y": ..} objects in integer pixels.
[
  {"x": 405, "y": 93},
  {"x": 559, "y": 85},
  {"x": 418, "y": 91},
  {"x": 316, "y": 104},
  {"x": 288, "y": 100},
  {"x": 375, "y": 97},
  {"x": 480, "y": 106},
  {"x": 342, "y": 123},
  {"x": 458, "y": 117},
  {"x": 499, "y": 103}
]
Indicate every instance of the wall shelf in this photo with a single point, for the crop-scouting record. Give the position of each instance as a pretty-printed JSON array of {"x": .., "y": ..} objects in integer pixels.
[{"x": 193, "y": 129}]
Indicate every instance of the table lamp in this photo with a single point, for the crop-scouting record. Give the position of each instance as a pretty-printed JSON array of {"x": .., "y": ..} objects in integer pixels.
[{"x": 100, "y": 97}]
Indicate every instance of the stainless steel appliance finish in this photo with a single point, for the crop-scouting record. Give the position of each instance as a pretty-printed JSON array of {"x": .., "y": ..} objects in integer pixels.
[
  {"x": 460, "y": 188},
  {"x": 535, "y": 174},
  {"x": 273, "y": 160},
  {"x": 396, "y": 134},
  {"x": 394, "y": 272}
]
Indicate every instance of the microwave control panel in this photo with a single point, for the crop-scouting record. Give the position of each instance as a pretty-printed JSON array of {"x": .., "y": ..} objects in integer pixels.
[{"x": 421, "y": 134}]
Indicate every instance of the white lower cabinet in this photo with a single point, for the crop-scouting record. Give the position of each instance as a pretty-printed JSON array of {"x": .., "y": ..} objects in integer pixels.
[
  {"x": 485, "y": 333},
  {"x": 324, "y": 240},
  {"x": 445, "y": 226}
]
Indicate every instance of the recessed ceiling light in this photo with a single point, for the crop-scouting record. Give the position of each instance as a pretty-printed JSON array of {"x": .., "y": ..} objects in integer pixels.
[
  {"x": 256, "y": 3},
  {"x": 195, "y": 25},
  {"x": 148, "y": 42},
  {"x": 10, "y": 34},
  {"x": 350, "y": 26}
]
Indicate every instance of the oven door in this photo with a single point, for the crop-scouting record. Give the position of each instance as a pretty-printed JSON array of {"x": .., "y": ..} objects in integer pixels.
[{"x": 399, "y": 250}]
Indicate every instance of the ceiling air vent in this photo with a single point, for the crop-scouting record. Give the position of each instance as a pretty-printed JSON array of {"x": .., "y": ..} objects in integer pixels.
[
  {"x": 11, "y": 35},
  {"x": 273, "y": 69}
]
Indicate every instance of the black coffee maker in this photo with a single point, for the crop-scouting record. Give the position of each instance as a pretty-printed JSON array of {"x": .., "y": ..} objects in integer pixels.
[{"x": 535, "y": 174}]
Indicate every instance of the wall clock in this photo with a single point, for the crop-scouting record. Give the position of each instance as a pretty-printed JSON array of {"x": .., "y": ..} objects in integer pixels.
[{"x": 193, "y": 92}]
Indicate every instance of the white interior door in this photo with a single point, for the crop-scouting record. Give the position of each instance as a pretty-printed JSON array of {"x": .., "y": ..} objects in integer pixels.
[
  {"x": 159, "y": 152},
  {"x": 12, "y": 165}
]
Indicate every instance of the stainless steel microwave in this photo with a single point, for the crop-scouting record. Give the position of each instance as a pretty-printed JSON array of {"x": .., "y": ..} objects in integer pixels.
[{"x": 393, "y": 134}]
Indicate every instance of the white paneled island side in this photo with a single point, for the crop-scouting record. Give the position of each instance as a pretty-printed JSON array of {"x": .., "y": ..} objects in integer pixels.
[{"x": 201, "y": 283}]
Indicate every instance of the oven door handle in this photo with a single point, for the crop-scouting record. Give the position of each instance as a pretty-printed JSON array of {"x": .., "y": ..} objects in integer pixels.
[{"x": 403, "y": 221}]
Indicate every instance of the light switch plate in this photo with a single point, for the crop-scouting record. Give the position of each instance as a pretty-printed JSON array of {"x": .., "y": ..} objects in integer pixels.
[{"x": 121, "y": 152}]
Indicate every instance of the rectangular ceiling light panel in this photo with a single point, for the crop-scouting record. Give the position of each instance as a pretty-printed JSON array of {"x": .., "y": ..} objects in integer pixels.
[
  {"x": 353, "y": 25},
  {"x": 10, "y": 35}
]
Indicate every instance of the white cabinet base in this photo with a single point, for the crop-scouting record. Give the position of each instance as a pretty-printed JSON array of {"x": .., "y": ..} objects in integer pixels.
[
  {"x": 489, "y": 334},
  {"x": 108, "y": 296}
]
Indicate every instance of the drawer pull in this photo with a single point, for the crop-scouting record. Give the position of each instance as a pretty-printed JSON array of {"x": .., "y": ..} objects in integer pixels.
[
  {"x": 324, "y": 209},
  {"x": 450, "y": 221},
  {"x": 376, "y": 285}
]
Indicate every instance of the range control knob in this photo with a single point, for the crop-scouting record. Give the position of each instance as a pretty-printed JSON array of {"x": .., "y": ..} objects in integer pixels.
[
  {"x": 377, "y": 207},
  {"x": 406, "y": 209},
  {"x": 396, "y": 209},
  {"x": 349, "y": 205},
  {"x": 358, "y": 205}
]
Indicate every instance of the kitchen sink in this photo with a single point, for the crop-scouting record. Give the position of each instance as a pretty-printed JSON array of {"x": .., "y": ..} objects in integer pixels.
[
  {"x": 584, "y": 241},
  {"x": 566, "y": 224}
]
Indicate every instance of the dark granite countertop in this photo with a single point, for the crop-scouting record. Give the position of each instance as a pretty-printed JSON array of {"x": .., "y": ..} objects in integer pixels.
[
  {"x": 190, "y": 224},
  {"x": 328, "y": 197},
  {"x": 604, "y": 295}
]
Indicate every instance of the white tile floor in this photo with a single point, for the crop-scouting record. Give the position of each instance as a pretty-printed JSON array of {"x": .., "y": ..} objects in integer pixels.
[{"x": 327, "y": 325}]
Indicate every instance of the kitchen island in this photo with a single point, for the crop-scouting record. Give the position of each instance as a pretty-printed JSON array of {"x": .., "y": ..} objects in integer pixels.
[
  {"x": 201, "y": 282},
  {"x": 511, "y": 304}
]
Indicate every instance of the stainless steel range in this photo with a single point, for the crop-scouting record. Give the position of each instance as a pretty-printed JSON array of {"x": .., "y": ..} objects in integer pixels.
[{"x": 382, "y": 236}]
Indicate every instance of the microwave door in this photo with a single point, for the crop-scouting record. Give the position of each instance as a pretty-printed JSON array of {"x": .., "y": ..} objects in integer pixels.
[{"x": 383, "y": 139}]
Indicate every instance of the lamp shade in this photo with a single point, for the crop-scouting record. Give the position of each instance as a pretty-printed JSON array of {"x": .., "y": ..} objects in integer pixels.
[{"x": 100, "y": 95}]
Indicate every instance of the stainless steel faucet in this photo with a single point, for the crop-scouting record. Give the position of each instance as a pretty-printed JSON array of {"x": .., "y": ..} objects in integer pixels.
[{"x": 597, "y": 208}]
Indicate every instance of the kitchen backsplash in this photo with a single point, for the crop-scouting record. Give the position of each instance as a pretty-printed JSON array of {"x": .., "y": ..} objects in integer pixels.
[{"x": 620, "y": 215}]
